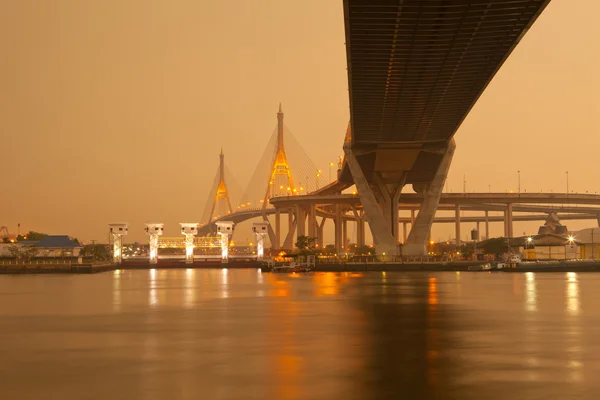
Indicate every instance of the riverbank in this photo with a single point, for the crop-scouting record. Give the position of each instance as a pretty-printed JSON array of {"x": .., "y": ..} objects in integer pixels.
[{"x": 33, "y": 268}]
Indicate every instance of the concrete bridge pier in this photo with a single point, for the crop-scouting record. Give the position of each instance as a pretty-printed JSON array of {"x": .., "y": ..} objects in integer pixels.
[
  {"x": 289, "y": 239},
  {"x": 417, "y": 239},
  {"x": 338, "y": 228},
  {"x": 320, "y": 229},
  {"x": 277, "y": 243},
  {"x": 344, "y": 233},
  {"x": 312, "y": 221},
  {"x": 301, "y": 221},
  {"x": 509, "y": 210},
  {"x": 457, "y": 217},
  {"x": 487, "y": 225},
  {"x": 360, "y": 231},
  {"x": 379, "y": 225}
]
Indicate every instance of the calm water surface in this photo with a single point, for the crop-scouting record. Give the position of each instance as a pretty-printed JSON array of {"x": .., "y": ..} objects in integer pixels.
[{"x": 240, "y": 334}]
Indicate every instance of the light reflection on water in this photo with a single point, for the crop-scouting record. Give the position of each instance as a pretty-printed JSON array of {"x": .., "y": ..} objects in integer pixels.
[{"x": 230, "y": 333}]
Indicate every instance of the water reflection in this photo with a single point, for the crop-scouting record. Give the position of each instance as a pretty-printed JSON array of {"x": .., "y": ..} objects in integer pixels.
[
  {"x": 116, "y": 291},
  {"x": 152, "y": 295},
  {"x": 572, "y": 294},
  {"x": 316, "y": 336},
  {"x": 189, "y": 296},
  {"x": 530, "y": 292},
  {"x": 224, "y": 283}
]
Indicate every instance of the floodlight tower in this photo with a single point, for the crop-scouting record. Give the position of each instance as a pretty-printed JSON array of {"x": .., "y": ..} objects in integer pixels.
[
  {"x": 260, "y": 230},
  {"x": 154, "y": 230},
  {"x": 117, "y": 231},
  {"x": 189, "y": 230},
  {"x": 225, "y": 230}
]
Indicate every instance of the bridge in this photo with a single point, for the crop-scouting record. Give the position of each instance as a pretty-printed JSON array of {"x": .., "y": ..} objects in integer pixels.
[{"x": 415, "y": 69}]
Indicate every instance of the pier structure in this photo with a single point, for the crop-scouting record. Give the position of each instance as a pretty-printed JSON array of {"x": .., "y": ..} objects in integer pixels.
[
  {"x": 260, "y": 230},
  {"x": 117, "y": 231},
  {"x": 154, "y": 230},
  {"x": 225, "y": 230},
  {"x": 189, "y": 230}
]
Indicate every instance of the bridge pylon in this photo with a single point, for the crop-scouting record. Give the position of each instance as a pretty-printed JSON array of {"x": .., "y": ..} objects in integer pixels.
[
  {"x": 280, "y": 167},
  {"x": 221, "y": 193},
  {"x": 284, "y": 186}
]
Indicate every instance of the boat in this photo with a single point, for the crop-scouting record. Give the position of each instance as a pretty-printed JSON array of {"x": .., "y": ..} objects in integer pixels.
[
  {"x": 482, "y": 267},
  {"x": 294, "y": 266}
]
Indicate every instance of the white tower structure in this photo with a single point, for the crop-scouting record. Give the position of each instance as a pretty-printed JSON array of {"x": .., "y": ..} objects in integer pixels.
[
  {"x": 225, "y": 230},
  {"x": 260, "y": 229},
  {"x": 189, "y": 230},
  {"x": 117, "y": 231},
  {"x": 154, "y": 230}
]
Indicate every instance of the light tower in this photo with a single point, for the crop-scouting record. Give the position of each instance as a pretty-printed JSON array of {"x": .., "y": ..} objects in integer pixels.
[
  {"x": 225, "y": 230},
  {"x": 117, "y": 231},
  {"x": 222, "y": 192},
  {"x": 260, "y": 230},
  {"x": 154, "y": 230},
  {"x": 280, "y": 165},
  {"x": 189, "y": 230}
]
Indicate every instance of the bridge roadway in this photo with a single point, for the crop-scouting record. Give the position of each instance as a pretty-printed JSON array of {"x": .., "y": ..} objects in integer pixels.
[
  {"x": 537, "y": 205},
  {"x": 415, "y": 70}
]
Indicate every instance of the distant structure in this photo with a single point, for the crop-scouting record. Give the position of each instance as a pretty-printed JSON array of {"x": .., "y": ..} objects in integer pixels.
[
  {"x": 222, "y": 193},
  {"x": 280, "y": 168},
  {"x": 553, "y": 227}
]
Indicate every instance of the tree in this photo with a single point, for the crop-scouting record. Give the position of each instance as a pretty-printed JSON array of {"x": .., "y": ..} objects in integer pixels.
[
  {"x": 363, "y": 250},
  {"x": 5, "y": 240},
  {"x": 32, "y": 235},
  {"x": 99, "y": 252},
  {"x": 305, "y": 243},
  {"x": 495, "y": 246}
]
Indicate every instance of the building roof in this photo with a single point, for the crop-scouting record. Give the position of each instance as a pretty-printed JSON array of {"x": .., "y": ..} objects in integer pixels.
[{"x": 57, "y": 241}]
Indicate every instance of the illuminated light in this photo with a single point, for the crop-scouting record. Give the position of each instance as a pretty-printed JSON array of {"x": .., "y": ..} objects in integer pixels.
[
  {"x": 354, "y": 192},
  {"x": 571, "y": 239},
  {"x": 431, "y": 242},
  {"x": 530, "y": 239},
  {"x": 280, "y": 186}
]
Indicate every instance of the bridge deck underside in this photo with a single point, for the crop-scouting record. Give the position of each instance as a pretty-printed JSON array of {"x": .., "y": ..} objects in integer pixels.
[{"x": 416, "y": 68}]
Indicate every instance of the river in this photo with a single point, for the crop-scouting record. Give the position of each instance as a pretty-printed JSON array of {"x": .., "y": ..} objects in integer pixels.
[{"x": 243, "y": 334}]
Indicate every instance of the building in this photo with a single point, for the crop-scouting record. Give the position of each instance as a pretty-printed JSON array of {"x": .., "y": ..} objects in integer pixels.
[
  {"x": 57, "y": 246},
  {"x": 589, "y": 240}
]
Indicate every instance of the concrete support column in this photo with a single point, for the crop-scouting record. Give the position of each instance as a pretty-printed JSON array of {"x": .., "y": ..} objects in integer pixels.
[
  {"x": 404, "y": 232},
  {"x": 289, "y": 239},
  {"x": 360, "y": 229},
  {"x": 312, "y": 221},
  {"x": 320, "y": 229},
  {"x": 277, "y": 244},
  {"x": 412, "y": 218},
  {"x": 338, "y": 229},
  {"x": 344, "y": 233},
  {"x": 457, "y": 217},
  {"x": 510, "y": 219},
  {"x": 478, "y": 231},
  {"x": 506, "y": 223},
  {"x": 487, "y": 225},
  {"x": 382, "y": 235},
  {"x": 420, "y": 231},
  {"x": 300, "y": 221}
]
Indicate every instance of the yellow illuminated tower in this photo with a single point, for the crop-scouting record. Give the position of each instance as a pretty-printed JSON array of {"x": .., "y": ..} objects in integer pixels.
[
  {"x": 280, "y": 167},
  {"x": 221, "y": 192}
]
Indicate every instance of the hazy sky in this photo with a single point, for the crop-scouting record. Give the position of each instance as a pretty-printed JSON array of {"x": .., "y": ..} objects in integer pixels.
[{"x": 117, "y": 110}]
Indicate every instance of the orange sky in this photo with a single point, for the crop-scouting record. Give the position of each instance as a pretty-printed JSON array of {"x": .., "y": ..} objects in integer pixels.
[{"x": 117, "y": 109}]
